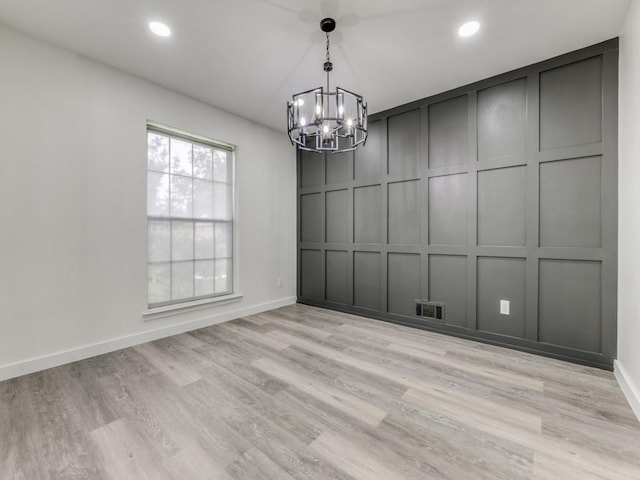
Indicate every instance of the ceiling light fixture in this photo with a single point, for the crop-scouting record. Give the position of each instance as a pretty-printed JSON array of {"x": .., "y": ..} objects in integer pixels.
[
  {"x": 320, "y": 120},
  {"x": 469, "y": 28},
  {"x": 160, "y": 29}
]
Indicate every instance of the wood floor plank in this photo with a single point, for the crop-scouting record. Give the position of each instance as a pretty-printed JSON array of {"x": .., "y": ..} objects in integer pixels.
[
  {"x": 187, "y": 340},
  {"x": 192, "y": 462},
  {"x": 454, "y": 450},
  {"x": 355, "y": 459},
  {"x": 125, "y": 454},
  {"x": 396, "y": 447},
  {"x": 278, "y": 444},
  {"x": 17, "y": 428},
  {"x": 492, "y": 373},
  {"x": 485, "y": 407},
  {"x": 258, "y": 337},
  {"x": 362, "y": 331},
  {"x": 409, "y": 381},
  {"x": 560, "y": 449},
  {"x": 255, "y": 465},
  {"x": 414, "y": 370},
  {"x": 325, "y": 392},
  {"x": 306, "y": 393},
  {"x": 344, "y": 358},
  {"x": 133, "y": 398},
  {"x": 234, "y": 360},
  {"x": 239, "y": 391},
  {"x": 49, "y": 428},
  {"x": 308, "y": 331},
  {"x": 549, "y": 467},
  {"x": 179, "y": 372},
  {"x": 379, "y": 391},
  {"x": 491, "y": 422}
]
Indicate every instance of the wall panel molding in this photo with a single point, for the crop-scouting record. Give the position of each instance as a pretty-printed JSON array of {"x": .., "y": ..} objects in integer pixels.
[{"x": 503, "y": 190}]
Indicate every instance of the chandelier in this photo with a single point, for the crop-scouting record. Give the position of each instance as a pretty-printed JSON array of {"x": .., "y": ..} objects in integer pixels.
[{"x": 320, "y": 120}]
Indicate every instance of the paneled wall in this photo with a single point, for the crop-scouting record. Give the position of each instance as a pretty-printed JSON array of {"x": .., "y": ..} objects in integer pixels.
[{"x": 501, "y": 190}]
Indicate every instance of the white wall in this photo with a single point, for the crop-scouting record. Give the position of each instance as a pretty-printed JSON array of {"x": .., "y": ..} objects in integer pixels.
[
  {"x": 628, "y": 364},
  {"x": 73, "y": 206}
]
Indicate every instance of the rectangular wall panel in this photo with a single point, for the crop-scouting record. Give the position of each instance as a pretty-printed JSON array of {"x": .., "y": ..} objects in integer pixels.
[
  {"x": 311, "y": 169},
  {"x": 571, "y": 104},
  {"x": 404, "y": 144},
  {"x": 448, "y": 284},
  {"x": 337, "y": 216},
  {"x": 502, "y": 121},
  {"x": 570, "y": 304},
  {"x": 367, "y": 207},
  {"x": 403, "y": 273},
  {"x": 448, "y": 210},
  {"x": 337, "y": 167},
  {"x": 448, "y": 132},
  {"x": 404, "y": 212},
  {"x": 570, "y": 203},
  {"x": 336, "y": 286},
  {"x": 370, "y": 159},
  {"x": 367, "y": 280},
  {"x": 502, "y": 214},
  {"x": 311, "y": 217},
  {"x": 501, "y": 279},
  {"x": 311, "y": 274}
]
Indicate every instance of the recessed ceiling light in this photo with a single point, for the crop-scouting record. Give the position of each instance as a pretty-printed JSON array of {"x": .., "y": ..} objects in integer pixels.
[
  {"x": 468, "y": 29},
  {"x": 160, "y": 29}
]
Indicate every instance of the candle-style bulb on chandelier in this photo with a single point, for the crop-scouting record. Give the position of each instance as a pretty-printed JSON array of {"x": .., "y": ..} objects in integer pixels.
[{"x": 322, "y": 120}]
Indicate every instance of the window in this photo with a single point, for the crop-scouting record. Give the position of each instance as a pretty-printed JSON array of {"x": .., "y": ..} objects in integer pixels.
[{"x": 189, "y": 218}]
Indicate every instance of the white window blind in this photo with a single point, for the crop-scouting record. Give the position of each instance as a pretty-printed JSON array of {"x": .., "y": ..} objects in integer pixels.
[{"x": 189, "y": 218}]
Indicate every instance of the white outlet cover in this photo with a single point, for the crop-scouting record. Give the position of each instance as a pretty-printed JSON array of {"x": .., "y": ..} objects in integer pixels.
[{"x": 505, "y": 307}]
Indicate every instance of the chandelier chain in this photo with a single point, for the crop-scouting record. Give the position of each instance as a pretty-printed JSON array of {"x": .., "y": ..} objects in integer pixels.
[{"x": 328, "y": 56}]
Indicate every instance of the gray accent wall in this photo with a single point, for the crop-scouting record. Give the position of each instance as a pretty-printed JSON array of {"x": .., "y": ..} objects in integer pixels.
[{"x": 505, "y": 189}]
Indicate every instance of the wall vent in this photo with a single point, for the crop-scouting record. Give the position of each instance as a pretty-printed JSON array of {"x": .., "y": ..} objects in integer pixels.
[{"x": 430, "y": 310}]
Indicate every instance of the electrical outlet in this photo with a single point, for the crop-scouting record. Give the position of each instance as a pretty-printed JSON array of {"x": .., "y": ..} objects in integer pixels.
[
  {"x": 280, "y": 282},
  {"x": 505, "y": 307}
]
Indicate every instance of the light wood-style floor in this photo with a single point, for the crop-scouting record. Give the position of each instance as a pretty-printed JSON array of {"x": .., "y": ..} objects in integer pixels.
[{"x": 303, "y": 393}]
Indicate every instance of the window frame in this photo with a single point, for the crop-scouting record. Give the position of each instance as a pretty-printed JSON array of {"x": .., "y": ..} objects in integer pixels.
[{"x": 160, "y": 309}]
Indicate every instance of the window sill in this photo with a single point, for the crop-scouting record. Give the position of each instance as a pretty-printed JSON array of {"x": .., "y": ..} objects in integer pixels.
[{"x": 170, "y": 310}]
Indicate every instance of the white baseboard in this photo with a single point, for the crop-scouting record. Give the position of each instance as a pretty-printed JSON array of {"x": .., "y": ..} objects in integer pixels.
[
  {"x": 60, "y": 358},
  {"x": 628, "y": 388}
]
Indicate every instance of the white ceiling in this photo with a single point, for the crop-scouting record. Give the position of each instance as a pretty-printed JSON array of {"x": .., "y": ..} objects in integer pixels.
[{"x": 249, "y": 56}]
